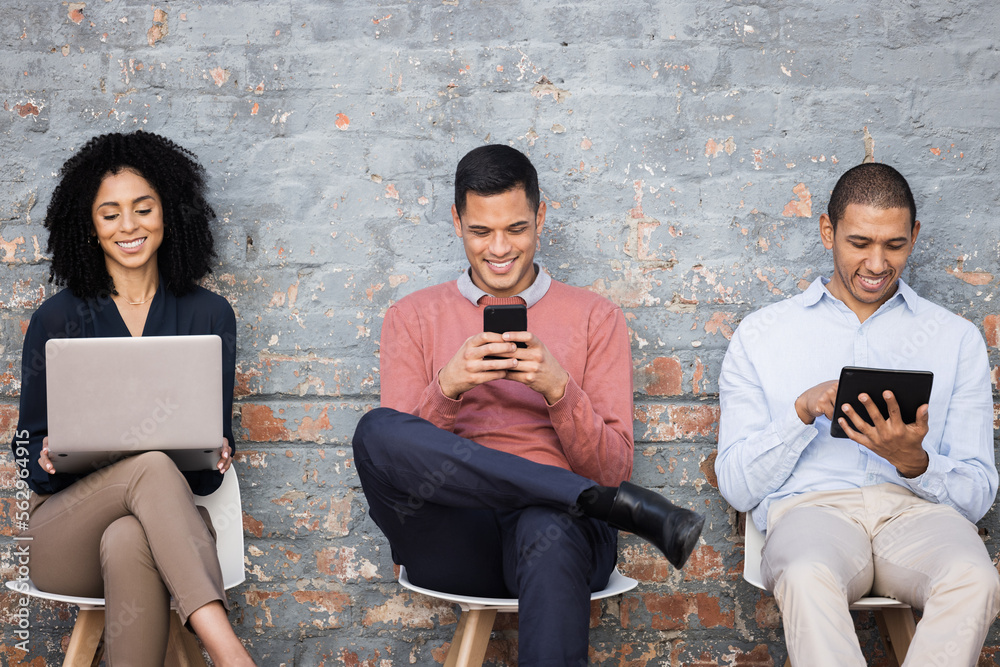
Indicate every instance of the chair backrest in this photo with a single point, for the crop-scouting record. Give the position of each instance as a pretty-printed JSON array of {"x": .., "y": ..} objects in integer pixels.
[
  {"x": 753, "y": 545},
  {"x": 226, "y": 509}
]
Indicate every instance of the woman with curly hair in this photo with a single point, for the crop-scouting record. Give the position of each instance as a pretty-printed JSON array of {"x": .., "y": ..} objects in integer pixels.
[{"x": 129, "y": 238}]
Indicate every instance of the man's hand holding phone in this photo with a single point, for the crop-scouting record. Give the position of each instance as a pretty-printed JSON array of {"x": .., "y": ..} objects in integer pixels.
[
  {"x": 536, "y": 367},
  {"x": 470, "y": 366},
  {"x": 505, "y": 350}
]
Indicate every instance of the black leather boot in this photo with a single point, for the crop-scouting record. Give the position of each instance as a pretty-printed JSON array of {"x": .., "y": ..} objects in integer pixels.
[{"x": 671, "y": 529}]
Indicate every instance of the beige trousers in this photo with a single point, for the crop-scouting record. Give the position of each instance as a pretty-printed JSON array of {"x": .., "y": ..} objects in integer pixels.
[
  {"x": 129, "y": 533},
  {"x": 827, "y": 549}
]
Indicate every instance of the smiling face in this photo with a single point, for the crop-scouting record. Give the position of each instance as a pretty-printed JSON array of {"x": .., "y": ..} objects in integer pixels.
[
  {"x": 870, "y": 248},
  {"x": 500, "y": 233},
  {"x": 128, "y": 222}
]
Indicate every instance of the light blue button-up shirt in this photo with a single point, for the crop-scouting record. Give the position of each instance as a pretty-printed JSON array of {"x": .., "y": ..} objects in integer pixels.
[{"x": 766, "y": 453}]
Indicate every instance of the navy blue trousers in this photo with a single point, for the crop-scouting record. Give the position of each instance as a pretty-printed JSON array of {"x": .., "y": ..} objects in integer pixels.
[{"x": 471, "y": 520}]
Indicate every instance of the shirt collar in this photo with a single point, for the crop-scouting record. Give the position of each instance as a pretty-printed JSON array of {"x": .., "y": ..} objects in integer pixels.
[
  {"x": 817, "y": 290},
  {"x": 531, "y": 296}
]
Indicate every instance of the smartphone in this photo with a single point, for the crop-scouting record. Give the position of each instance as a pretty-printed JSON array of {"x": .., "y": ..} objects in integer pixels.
[
  {"x": 910, "y": 388},
  {"x": 500, "y": 319}
]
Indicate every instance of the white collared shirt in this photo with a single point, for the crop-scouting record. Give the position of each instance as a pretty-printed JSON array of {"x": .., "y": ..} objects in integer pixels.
[
  {"x": 766, "y": 453},
  {"x": 531, "y": 296}
]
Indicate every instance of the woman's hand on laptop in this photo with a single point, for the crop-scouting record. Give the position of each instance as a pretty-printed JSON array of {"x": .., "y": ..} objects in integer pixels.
[
  {"x": 226, "y": 459},
  {"x": 43, "y": 458}
]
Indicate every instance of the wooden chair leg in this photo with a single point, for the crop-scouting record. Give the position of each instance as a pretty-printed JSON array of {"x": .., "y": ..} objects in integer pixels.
[
  {"x": 472, "y": 636},
  {"x": 896, "y": 627},
  {"x": 788, "y": 662},
  {"x": 182, "y": 647},
  {"x": 85, "y": 646}
]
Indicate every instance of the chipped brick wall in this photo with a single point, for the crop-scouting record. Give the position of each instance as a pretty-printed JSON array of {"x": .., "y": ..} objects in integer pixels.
[{"x": 685, "y": 149}]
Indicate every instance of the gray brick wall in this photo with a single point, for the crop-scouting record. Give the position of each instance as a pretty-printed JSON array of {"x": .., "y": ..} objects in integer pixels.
[{"x": 686, "y": 150}]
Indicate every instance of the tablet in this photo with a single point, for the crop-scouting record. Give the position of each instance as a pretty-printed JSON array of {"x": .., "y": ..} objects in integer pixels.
[{"x": 911, "y": 389}]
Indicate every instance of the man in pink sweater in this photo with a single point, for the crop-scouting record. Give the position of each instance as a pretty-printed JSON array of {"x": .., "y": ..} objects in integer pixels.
[{"x": 501, "y": 470}]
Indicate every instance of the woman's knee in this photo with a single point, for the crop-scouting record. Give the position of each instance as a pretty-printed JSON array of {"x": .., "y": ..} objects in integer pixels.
[
  {"x": 124, "y": 544},
  {"x": 157, "y": 467},
  {"x": 154, "y": 460}
]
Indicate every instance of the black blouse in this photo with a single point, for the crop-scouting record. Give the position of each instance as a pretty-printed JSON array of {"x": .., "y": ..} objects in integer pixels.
[{"x": 65, "y": 315}]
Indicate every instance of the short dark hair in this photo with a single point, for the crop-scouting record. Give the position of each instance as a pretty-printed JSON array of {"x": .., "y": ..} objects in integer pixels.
[
  {"x": 185, "y": 255},
  {"x": 871, "y": 184},
  {"x": 493, "y": 170}
]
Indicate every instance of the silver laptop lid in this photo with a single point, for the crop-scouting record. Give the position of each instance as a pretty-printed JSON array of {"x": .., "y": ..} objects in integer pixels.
[{"x": 108, "y": 395}]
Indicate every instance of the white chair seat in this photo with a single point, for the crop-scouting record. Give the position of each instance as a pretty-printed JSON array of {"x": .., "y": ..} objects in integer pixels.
[
  {"x": 29, "y": 588},
  {"x": 468, "y": 647}
]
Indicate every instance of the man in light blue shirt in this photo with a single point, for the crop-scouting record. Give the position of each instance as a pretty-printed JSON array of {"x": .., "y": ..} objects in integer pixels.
[{"x": 891, "y": 510}]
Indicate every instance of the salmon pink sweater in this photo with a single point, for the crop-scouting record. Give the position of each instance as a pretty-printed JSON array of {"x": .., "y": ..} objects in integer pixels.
[{"x": 588, "y": 430}]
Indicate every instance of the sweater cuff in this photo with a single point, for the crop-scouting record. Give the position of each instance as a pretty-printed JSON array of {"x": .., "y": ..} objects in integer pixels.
[
  {"x": 442, "y": 405},
  {"x": 563, "y": 408}
]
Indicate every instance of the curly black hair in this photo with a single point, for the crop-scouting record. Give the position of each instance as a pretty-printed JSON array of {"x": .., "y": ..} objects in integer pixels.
[{"x": 185, "y": 255}]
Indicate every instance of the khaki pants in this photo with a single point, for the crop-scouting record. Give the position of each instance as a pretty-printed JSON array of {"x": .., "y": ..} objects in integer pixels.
[
  {"x": 827, "y": 549},
  {"x": 129, "y": 533}
]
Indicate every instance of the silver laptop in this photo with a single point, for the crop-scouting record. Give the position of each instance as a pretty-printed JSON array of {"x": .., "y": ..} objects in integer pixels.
[{"x": 109, "y": 398}]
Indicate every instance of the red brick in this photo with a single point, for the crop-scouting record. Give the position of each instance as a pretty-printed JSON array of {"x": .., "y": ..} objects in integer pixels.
[
  {"x": 708, "y": 469},
  {"x": 258, "y": 599},
  {"x": 661, "y": 377},
  {"x": 15, "y": 656},
  {"x": 339, "y": 517},
  {"x": 644, "y": 563},
  {"x": 720, "y": 322},
  {"x": 766, "y": 612},
  {"x": 757, "y": 657},
  {"x": 342, "y": 563},
  {"x": 8, "y": 510},
  {"x": 309, "y": 428},
  {"x": 8, "y": 471},
  {"x": 666, "y": 423},
  {"x": 627, "y": 605},
  {"x": 704, "y": 564},
  {"x": 324, "y": 602},
  {"x": 800, "y": 207},
  {"x": 988, "y": 656},
  {"x": 410, "y": 610},
  {"x": 243, "y": 380},
  {"x": 991, "y": 329},
  {"x": 8, "y": 422},
  {"x": 627, "y": 655},
  {"x": 252, "y": 525},
  {"x": 260, "y": 424},
  {"x": 697, "y": 377},
  {"x": 674, "y": 611}
]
